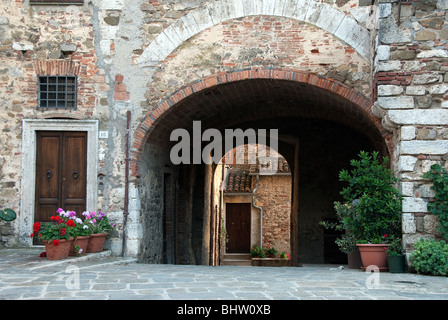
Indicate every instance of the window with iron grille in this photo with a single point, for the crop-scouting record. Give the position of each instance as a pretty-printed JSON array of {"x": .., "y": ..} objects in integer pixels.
[{"x": 57, "y": 92}]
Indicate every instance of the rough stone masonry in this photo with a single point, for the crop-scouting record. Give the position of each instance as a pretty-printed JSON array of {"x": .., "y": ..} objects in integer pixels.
[{"x": 144, "y": 67}]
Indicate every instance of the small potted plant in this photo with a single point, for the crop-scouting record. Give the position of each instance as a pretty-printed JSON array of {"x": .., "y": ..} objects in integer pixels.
[
  {"x": 346, "y": 242},
  {"x": 271, "y": 252},
  {"x": 257, "y": 252},
  {"x": 81, "y": 232},
  {"x": 57, "y": 236},
  {"x": 395, "y": 256},
  {"x": 269, "y": 257},
  {"x": 100, "y": 227},
  {"x": 377, "y": 218}
]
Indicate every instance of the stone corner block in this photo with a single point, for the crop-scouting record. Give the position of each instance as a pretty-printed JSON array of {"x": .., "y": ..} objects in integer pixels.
[
  {"x": 414, "y": 205},
  {"x": 408, "y": 223}
]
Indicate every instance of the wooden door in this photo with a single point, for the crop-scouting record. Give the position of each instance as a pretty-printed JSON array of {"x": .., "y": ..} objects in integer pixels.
[
  {"x": 61, "y": 173},
  {"x": 238, "y": 227}
]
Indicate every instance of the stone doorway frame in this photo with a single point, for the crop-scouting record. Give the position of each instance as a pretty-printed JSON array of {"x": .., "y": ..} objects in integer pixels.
[{"x": 28, "y": 180}]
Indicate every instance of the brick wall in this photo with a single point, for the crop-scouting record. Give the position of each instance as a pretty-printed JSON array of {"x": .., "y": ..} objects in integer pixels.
[
  {"x": 274, "y": 196},
  {"x": 261, "y": 41}
]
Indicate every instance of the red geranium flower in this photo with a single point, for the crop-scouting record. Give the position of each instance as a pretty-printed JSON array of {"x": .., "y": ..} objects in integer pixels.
[
  {"x": 36, "y": 227},
  {"x": 62, "y": 231},
  {"x": 70, "y": 223},
  {"x": 56, "y": 242}
]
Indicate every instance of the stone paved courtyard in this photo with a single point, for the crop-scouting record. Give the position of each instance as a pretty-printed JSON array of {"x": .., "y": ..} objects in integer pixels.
[{"x": 24, "y": 276}]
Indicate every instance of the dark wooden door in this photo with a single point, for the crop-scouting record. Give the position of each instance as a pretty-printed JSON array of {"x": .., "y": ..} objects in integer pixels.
[
  {"x": 238, "y": 227},
  {"x": 61, "y": 173}
]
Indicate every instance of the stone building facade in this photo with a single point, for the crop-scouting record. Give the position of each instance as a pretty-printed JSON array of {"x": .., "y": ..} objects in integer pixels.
[
  {"x": 334, "y": 77},
  {"x": 269, "y": 209}
]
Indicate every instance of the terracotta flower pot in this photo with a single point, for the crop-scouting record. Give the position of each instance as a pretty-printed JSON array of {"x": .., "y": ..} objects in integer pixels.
[
  {"x": 96, "y": 242},
  {"x": 58, "y": 252},
  {"x": 374, "y": 255},
  {"x": 82, "y": 242}
]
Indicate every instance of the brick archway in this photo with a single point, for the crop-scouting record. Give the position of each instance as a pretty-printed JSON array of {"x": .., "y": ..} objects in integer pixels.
[{"x": 153, "y": 117}]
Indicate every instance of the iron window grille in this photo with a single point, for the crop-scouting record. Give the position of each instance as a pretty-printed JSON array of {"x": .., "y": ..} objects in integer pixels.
[{"x": 57, "y": 92}]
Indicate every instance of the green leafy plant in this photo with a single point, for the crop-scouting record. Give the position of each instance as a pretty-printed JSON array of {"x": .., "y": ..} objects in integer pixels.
[
  {"x": 344, "y": 213},
  {"x": 54, "y": 231},
  {"x": 395, "y": 248},
  {"x": 430, "y": 257},
  {"x": 284, "y": 255},
  {"x": 98, "y": 222},
  {"x": 377, "y": 203},
  {"x": 257, "y": 252},
  {"x": 80, "y": 227},
  {"x": 7, "y": 215},
  {"x": 78, "y": 250},
  {"x": 439, "y": 205},
  {"x": 271, "y": 252}
]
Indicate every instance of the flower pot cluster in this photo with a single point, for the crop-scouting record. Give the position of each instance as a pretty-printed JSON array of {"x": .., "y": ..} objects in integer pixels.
[
  {"x": 269, "y": 257},
  {"x": 370, "y": 214},
  {"x": 69, "y": 235}
]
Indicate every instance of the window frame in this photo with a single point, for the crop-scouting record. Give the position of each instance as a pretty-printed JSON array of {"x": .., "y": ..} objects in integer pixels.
[{"x": 59, "y": 102}]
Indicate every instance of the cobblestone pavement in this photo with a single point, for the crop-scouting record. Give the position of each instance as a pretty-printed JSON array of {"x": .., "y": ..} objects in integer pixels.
[{"x": 24, "y": 276}]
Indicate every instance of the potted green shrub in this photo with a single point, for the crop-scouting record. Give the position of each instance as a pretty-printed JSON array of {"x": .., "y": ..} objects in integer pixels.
[
  {"x": 346, "y": 242},
  {"x": 377, "y": 204},
  {"x": 396, "y": 257}
]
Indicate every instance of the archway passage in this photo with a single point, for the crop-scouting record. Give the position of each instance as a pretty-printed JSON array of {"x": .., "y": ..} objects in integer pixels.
[
  {"x": 321, "y": 124},
  {"x": 255, "y": 203}
]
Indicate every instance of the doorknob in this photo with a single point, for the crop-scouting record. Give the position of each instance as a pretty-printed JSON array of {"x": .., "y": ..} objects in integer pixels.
[
  {"x": 49, "y": 174},
  {"x": 75, "y": 175}
]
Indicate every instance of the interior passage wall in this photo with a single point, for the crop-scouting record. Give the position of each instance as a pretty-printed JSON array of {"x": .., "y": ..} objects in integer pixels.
[{"x": 324, "y": 150}]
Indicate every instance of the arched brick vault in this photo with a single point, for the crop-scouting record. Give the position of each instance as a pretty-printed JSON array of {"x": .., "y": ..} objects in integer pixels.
[
  {"x": 231, "y": 98},
  {"x": 313, "y": 12}
]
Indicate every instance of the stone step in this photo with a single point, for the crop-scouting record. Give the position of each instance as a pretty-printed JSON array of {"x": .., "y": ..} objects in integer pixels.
[{"x": 236, "y": 259}]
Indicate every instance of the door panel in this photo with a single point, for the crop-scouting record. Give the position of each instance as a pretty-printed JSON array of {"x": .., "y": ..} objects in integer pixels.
[
  {"x": 61, "y": 168},
  {"x": 238, "y": 227},
  {"x": 74, "y": 172},
  {"x": 47, "y": 176}
]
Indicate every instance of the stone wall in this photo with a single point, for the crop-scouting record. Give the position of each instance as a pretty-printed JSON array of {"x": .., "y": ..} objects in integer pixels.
[
  {"x": 411, "y": 77},
  {"x": 41, "y": 41},
  {"x": 144, "y": 56},
  {"x": 274, "y": 196}
]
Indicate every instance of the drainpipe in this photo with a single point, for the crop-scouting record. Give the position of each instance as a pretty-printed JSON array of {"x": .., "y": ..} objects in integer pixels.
[
  {"x": 126, "y": 184},
  {"x": 221, "y": 208},
  {"x": 259, "y": 208}
]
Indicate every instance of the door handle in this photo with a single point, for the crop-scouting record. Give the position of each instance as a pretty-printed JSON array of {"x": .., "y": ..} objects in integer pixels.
[
  {"x": 75, "y": 175},
  {"x": 49, "y": 174}
]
